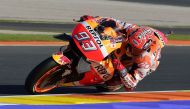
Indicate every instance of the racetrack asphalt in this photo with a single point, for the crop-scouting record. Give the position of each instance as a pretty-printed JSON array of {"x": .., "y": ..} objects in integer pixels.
[
  {"x": 67, "y": 28},
  {"x": 17, "y": 61},
  {"x": 182, "y": 3}
]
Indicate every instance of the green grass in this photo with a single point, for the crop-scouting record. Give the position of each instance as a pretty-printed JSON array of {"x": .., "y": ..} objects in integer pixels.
[
  {"x": 44, "y": 37},
  {"x": 27, "y": 37},
  {"x": 179, "y": 37}
]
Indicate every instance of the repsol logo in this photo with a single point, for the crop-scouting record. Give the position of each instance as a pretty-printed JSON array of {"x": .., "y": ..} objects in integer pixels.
[
  {"x": 96, "y": 37},
  {"x": 102, "y": 71}
]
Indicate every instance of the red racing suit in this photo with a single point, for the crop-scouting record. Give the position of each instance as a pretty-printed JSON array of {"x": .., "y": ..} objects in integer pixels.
[{"x": 133, "y": 68}]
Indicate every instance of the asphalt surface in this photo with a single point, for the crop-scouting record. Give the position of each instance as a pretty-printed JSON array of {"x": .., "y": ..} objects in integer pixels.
[
  {"x": 17, "y": 61},
  {"x": 42, "y": 27},
  {"x": 61, "y": 28},
  {"x": 183, "y": 3}
]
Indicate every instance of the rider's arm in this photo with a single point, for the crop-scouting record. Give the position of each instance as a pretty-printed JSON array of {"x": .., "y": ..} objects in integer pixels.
[
  {"x": 143, "y": 65},
  {"x": 119, "y": 68},
  {"x": 123, "y": 28},
  {"x": 114, "y": 23},
  {"x": 108, "y": 22},
  {"x": 126, "y": 78}
]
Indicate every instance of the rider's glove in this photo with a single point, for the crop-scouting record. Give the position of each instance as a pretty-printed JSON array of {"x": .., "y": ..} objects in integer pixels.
[
  {"x": 117, "y": 64},
  {"x": 86, "y": 17}
]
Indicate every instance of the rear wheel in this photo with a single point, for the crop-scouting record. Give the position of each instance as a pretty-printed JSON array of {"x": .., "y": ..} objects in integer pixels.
[{"x": 45, "y": 77}]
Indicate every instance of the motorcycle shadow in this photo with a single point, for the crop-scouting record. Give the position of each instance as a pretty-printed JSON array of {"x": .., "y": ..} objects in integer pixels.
[{"x": 9, "y": 90}]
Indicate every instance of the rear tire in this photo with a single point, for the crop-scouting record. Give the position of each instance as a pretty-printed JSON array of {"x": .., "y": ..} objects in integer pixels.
[{"x": 39, "y": 74}]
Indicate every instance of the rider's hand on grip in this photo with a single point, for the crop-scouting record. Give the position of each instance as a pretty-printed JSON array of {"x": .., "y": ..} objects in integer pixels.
[{"x": 117, "y": 64}]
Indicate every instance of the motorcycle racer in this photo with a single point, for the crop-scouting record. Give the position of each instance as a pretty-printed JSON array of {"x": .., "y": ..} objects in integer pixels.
[{"x": 139, "y": 54}]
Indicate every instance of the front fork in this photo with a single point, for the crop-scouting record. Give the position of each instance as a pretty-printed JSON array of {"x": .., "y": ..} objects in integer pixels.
[
  {"x": 62, "y": 60},
  {"x": 59, "y": 58}
]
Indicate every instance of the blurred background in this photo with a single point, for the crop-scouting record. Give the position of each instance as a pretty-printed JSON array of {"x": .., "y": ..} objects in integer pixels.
[{"x": 151, "y": 12}]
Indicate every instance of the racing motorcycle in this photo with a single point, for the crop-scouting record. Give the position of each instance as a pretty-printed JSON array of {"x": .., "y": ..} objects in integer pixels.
[{"x": 85, "y": 61}]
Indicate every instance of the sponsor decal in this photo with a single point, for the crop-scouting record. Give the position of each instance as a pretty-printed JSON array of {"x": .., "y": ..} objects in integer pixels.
[
  {"x": 144, "y": 65},
  {"x": 160, "y": 38},
  {"x": 102, "y": 71},
  {"x": 147, "y": 44},
  {"x": 128, "y": 82},
  {"x": 95, "y": 35},
  {"x": 113, "y": 43},
  {"x": 143, "y": 34},
  {"x": 96, "y": 38},
  {"x": 64, "y": 60}
]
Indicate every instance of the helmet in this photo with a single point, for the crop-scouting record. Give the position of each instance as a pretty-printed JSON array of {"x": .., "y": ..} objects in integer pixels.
[
  {"x": 131, "y": 29},
  {"x": 140, "y": 39}
]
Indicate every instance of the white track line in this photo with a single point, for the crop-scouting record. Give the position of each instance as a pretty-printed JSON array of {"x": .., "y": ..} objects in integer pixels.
[{"x": 4, "y": 104}]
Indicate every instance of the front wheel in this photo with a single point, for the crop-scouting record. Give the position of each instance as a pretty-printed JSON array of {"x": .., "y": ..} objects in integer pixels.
[{"x": 44, "y": 77}]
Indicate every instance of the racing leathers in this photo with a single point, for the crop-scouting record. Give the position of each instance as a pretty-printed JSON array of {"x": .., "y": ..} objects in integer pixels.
[{"x": 132, "y": 65}]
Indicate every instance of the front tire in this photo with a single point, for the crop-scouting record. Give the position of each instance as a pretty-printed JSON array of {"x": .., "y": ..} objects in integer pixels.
[{"x": 43, "y": 77}]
